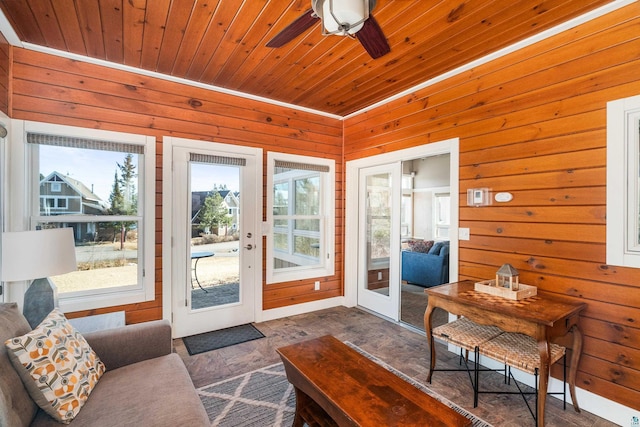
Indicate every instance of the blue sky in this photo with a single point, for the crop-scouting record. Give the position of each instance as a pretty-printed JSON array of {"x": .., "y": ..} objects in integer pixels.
[{"x": 96, "y": 168}]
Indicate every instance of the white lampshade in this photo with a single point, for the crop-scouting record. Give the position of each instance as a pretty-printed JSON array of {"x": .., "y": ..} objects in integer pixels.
[
  {"x": 342, "y": 17},
  {"x": 28, "y": 255}
]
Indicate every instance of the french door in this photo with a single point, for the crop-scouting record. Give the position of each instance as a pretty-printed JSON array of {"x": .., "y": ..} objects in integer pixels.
[
  {"x": 379, "y": 239},
  {"x": 215, "y": 262}
]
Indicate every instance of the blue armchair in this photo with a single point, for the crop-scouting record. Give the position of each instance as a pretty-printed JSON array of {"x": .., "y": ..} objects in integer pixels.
[{"x": 427, "y": 269}]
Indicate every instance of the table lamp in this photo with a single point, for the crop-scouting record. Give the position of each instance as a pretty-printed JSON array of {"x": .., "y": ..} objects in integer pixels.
[{"x": 37, "y": 255}]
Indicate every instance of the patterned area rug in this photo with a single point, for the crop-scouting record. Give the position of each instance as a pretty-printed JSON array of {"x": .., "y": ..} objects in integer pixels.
[
  {"x": 264, "y": 398},
  {"x": 222, "y": 338}
]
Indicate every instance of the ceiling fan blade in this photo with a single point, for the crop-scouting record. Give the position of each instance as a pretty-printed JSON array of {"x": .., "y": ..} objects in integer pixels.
[
  {"x": 372, "y": 38},
  {"x": 293, "y": 30}
]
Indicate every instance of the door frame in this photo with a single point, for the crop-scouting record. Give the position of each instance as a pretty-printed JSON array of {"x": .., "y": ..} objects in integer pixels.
[
  {"x": 449, "y": 146},
  {"x": 167, "y": 215}
]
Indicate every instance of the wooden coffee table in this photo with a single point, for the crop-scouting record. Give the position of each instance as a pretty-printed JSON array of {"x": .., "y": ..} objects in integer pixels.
[{"x": 336, "y": 385}]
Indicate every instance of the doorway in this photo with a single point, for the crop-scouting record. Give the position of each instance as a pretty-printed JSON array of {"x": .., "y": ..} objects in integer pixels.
[
  {"x": 425, "y": 222},
  {"x": 417, "y": 219},
  {"x": 214, "y": 232}
]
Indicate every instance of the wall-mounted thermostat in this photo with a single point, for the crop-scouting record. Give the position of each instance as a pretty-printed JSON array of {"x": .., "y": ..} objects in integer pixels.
[{"x": 478, "y": 197}]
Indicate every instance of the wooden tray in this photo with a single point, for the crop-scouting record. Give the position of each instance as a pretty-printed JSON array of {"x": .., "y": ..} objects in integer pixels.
[{"x": 489, "y": 287}]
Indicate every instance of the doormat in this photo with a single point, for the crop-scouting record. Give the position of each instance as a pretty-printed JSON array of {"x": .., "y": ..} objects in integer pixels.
[{"x": 214, "y": 340}]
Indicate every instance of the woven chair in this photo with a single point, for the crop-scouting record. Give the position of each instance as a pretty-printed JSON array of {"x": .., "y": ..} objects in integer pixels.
[
  {"x": 469, "y": 336},
  {"x": 521, "y": 352}
]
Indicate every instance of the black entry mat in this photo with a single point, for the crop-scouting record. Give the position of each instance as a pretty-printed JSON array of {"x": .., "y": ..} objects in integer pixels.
[{"x": 223, "y": 338}]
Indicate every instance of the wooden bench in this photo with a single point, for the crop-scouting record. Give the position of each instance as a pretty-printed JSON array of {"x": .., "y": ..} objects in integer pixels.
[
  {"x": 336, "y": 385},
  {"x": 511, "y": 349}
]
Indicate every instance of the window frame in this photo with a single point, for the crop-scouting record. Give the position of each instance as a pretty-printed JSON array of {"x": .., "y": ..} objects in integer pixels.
[
  {"x": 144, "y": 290},
  {"x": 623, "y": 172},
  {"x": 326, "y": 267}
]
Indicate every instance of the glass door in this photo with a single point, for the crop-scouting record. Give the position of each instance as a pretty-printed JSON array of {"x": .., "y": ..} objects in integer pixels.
[
  {"x": 215, "y": 240},
  {"x": 379, "y": 239}
]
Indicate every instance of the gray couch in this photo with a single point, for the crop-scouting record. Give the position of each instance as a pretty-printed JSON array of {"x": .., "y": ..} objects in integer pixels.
[{"x": 145, "y": 383}]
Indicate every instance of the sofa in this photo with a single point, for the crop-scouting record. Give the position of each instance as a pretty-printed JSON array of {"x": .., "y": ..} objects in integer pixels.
[
  {"x": 144, "y": 384},
  {"x": 429, "y": 268}
]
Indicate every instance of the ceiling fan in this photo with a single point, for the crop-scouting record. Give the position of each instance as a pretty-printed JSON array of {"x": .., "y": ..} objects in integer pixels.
[{"x": 339, "y": 17}]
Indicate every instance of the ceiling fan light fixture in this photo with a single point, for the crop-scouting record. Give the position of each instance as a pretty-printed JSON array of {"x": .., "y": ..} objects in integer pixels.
[{"x": 342, "y": 17}]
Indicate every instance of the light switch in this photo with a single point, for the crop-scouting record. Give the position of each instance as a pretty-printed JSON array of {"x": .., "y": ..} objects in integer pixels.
[{"x": 463, "y": 234}]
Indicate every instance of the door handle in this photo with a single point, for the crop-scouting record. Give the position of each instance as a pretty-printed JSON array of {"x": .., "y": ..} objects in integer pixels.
[{"x": 249, "y": 247}]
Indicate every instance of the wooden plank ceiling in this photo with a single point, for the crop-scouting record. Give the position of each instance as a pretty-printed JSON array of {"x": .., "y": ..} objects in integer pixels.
[{"x": 222, "y": 42}]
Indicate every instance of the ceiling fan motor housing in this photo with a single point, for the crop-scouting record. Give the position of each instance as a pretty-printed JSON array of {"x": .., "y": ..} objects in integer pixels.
[{"x": 342, "y": 17}]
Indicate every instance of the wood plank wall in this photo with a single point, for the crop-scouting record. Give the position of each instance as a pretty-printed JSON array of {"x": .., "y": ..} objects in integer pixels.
[
  {"x": 51, "y": 89},
  {"x": 5, "y": 66},
  {"x": 534, "y": 123}
]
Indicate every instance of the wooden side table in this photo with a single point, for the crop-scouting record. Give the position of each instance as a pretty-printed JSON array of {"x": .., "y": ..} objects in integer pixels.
[{"x": 543, "y": 318}]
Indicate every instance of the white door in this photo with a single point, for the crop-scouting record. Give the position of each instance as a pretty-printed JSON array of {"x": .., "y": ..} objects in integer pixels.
[
  {"x": 216, "y": 263},
  {"x": 380, "y": 191}
]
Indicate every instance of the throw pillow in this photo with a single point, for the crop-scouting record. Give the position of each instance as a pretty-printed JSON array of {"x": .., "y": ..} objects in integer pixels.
[
  {"x": 420, "y": 245},
  {"x": 435, "y": 250},
  {"x": 57, "y": 366}
]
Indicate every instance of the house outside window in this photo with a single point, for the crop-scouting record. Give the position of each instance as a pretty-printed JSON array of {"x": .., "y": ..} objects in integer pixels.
[
  {"x": 301, "y": 215},
  {"x": 106, "y": 195}
]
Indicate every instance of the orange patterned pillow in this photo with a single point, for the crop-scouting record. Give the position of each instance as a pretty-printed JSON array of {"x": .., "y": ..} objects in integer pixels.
[{"x": 57, "y": 366}]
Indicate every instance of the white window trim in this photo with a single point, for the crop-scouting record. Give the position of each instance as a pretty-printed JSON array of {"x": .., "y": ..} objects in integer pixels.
[
  {"x": 327, "y": 267},
  {"x": 623, "y": 155},
  {"x": 20, "y": 194}
]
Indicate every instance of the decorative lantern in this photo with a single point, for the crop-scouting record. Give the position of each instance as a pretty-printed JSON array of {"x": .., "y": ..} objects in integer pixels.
[{"x": 507, "y": 277}]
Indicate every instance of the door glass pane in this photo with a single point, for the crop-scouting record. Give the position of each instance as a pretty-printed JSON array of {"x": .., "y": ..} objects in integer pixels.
[
  {"x": 378, "y": 230},
  {"x": 214, "y": 238}
]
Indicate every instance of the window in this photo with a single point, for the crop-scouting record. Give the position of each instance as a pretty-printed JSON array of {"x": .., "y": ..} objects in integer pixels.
[
  {"x": 441, "y": 215},
  {"x": 301, "y": 215},
  {"x": 100, "y": 184},
  {"x": 623, "y": 182},
  {"x": 406, "y": 211}
]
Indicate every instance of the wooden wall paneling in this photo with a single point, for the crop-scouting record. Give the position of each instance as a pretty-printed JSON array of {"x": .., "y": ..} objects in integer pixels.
[
  {"x": 542, "y": 247},
  {"x": 467, "y": 95},
  {"x": 57, "y": 90},
  {"x": 158, "y": 92},
  {"x": 602, "y": 387},
  {"x": 534, "y": 123},
  {"x": 604, "y": 350},
  {"x": 5, "y": 74},
  {"x": 622, "y": 376},
  {"x": 574, "y": 232}
]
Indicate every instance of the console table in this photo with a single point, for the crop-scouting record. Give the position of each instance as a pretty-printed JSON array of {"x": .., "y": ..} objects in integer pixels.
[
  {"x": 336, "y": 385},
  {"x": 543, "y": 318}
]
